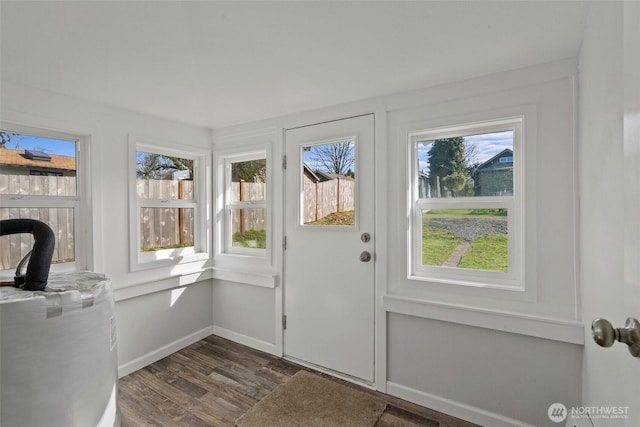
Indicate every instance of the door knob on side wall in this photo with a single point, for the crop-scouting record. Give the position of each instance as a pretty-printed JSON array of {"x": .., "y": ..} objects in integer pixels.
[{"x": 604, "y": 334}]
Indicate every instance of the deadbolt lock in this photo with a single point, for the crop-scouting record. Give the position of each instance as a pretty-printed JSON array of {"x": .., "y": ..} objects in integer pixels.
[{"x": 366, "y": 237}]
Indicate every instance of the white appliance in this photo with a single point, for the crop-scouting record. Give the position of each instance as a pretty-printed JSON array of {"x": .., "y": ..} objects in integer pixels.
[{"x": 58, "y": 364}]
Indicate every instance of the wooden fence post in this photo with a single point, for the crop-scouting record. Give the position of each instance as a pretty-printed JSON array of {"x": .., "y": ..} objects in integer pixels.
[
  {"x": 181, "y": 233},
  {"x": 241, "y": 210},
  {"x": 338, "y": 196}
]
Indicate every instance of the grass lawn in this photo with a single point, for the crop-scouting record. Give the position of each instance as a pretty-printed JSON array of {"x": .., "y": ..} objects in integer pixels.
[
  {"x": 251, "y": 239},
  {"x": 159, "y": 248},
  {"x": 487, "y": 253},
  {"x": 336, "y": 218},
  {"x": 437, "y": 245}
]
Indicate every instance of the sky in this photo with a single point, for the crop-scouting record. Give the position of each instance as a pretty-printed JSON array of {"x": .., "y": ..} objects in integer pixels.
[
  {"x": 487, "y": 146},
  {"x": 47, "y": 145},
  {"x": 308, "y": 157}
]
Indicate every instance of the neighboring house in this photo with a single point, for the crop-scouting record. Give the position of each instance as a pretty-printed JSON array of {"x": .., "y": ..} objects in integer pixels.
[
  {"x": 31, "y": 162},
  {"x": 424, "y": 189},
  {"x": 320, "y": 176},
  {"x": 495, "y": 176},
  {"x": 326, "y": 193},
  {"x": 310, "y": 176}
]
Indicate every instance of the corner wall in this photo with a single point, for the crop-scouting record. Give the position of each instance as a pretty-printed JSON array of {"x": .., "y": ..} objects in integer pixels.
[
  {"x": 152, "y": 319},
  {"x": 483, "y": 356}
]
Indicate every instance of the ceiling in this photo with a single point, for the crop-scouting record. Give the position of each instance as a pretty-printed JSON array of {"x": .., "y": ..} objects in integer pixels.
[{"x": 215, "y": 64}]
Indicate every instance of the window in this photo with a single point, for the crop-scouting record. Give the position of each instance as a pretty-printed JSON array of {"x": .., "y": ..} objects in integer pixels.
[
  {"x": 169, "y": 198},
  {"x": 466, "y": 204},
  {"x": 246, "y": 204},
  {"x": 329, "y": 183},
  {"x": 41, "y": 176}
]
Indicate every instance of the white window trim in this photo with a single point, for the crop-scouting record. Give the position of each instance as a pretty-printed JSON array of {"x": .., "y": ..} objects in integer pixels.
[
  {"x": 226, "y": 256},
  {"x": 200, "y": 251},
  {"x": 511, "y": 280},
  {"x": 83, "y": 242},
  {"x": 230, "y": 204}
]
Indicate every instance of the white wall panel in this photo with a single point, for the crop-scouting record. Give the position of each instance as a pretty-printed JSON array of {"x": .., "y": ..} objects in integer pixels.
[
  {"x": 550, "y": 283},
  {"x": 247, "y": 311},
  {"x": 507, "y": 374},
  {"x": 155, "y": 325}
]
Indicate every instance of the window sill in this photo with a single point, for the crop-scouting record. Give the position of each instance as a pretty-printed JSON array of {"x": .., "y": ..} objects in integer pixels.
[
  {"x": 151, "y": 260},
  {"x": 262, "y": 279},
  {"x": 569, "y": 331},
  {"x": 175, "y": 281}
]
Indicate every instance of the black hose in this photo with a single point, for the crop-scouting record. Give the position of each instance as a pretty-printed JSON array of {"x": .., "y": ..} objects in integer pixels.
[{"x": 44, "y": 243}]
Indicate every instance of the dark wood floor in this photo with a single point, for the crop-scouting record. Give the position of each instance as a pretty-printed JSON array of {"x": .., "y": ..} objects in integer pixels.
[{"x": 214, "y": 381}]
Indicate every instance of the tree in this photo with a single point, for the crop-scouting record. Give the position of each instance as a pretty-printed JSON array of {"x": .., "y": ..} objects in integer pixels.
[
  {"x": 458, "y": 183},
  {"x": 156, "y": 166},
  {"x": 334, "y": 158},
  {"x": 448, "y": 164},
  {"x": 5, "y": 138},
  {"x": 250, "y": 171},
  {"x": 181, "y": 164}
]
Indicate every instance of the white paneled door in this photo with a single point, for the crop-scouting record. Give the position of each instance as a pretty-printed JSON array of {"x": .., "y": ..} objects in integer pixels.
[
  {"x": 330, "y": 253},
  {"x": 631, "y": 301}
]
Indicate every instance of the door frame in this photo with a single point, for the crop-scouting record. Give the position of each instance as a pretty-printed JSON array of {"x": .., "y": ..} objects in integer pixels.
[
  {"x": 379, "y": 112},
  {"x": 345, "y": 355}
]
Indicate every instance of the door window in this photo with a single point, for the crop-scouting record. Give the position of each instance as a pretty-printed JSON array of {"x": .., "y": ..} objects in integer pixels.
[{"x": 328, "y": 176}]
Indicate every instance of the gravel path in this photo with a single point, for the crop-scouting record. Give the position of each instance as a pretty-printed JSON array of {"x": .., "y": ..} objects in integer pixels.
[{"x": 469, "y": 229}]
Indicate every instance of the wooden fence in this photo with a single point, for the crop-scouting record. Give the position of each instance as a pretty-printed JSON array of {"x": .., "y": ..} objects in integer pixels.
[
  {"x": 14, "y": 247},
  {"x": 160, "y": 227},
  {"x": 165, "y": 227},
  {"x": 320, "y": 199},
  {"x": 324, "y": 198},
  {"x": 249, "y": 218}
]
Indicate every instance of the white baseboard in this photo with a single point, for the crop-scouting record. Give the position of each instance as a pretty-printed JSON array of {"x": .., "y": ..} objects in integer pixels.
[
  {"x": 255, "y": 343},
  {"x": 451, "y": 407},
  {"x": 154, "y": 356}
]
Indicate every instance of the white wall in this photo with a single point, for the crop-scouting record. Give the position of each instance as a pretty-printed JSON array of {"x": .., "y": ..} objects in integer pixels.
[
  {"x": 549, "y": 189},
  {"x": 601, "y": 197},
  {"x": 507, "y": 375},
  {"x": 148, "y": 326},
  {"x": 482, "y": 355},
  {"x": 528, "y": 354},
  {"x": 245, "y": 313},
  {"x": 540, "y": 327}
]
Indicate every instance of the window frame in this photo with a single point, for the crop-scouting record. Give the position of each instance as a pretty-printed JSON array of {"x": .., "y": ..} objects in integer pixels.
[
  {"x": 80, "y": 203},
  {"x": 228, "y": 257},
  {"x": 230, "y": 205},
  {"x": 512, "y": 279},
  {"x": 142, "y": 260}
]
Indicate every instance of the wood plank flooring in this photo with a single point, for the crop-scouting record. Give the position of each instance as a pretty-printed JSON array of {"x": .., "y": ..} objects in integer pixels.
[{"x": 214, "y": 381}]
